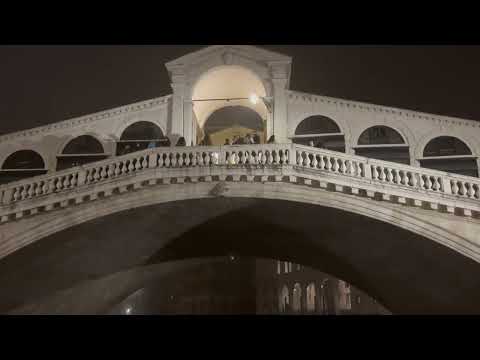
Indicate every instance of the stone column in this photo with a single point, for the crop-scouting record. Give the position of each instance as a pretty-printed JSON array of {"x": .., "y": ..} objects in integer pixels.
[
  {"x": 177, "y": 125},
  {"x": 279, "y": 81},
  {"x": 178, "y": 97},
  {"x": 188, "y": 123}
]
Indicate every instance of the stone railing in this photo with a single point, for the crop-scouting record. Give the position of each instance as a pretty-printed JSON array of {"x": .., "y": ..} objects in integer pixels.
[{"x": 347, "y": 173}]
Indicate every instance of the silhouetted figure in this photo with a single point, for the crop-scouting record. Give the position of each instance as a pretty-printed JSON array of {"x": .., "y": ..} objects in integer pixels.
[
  {"x": 249, "y": 139},
  {"x": 310, "y": 143},
  {"x": 227, "y": 142},
  {"x": 256, "y": 138},
  {"x": 271, "y": 140}
]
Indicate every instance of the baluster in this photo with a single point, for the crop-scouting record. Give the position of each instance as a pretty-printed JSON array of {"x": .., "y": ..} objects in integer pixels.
[
  {"x": 374, "y": 172},
  {"x": 342, "y": 165},
  {"x": 306, "y": 159},
  {"x": 45, "y": 187},
  {"x": 207, "y": 159},
  {"x": 477, "y": 191},
  {"x": 96, "y": 176},
  {"x": 322, "y": 163},
  {"x": 252, "y": 159},
  {"x": 166, "y": 160},
  {"x": 241, "y": 157},
  {"x": 435, "y": 184},
  {"x": 111, "y": 170},
  {"x": 314, "y": 162},
  {"x": 24, "y": 192},
  {"x": 381, "y": 173},
  {"x": 104, "y": 173},
  {"x": 470, "y": 191},
  {"x": 58, "y": 184},
  {"x": 145, "y": 162},
  {"x": 193, "y": 160},
  {"x": 283, "y": 157},
  {"x": 461, "y": 188},
  {"x": 161, "y": 160},
  {"x": 200, "y": 159},
  {"x": 453, "y": 185},
  {"x": 270, "y": 158},
  {"x": 31, "y": 190},
  {"x": 17, "y": 194},
  {"x": 427, "y": 182},
  {"x": 74, "y": 180},
  {"x": 186, "y": 159},
  {"x": 403, "y": 177},
  {"x": 328, "y": 164},
  {"x": 138, "y": 164},
  {"x": 118, "y": 169},
  {"x": 299, "y": 158},
  {"x": 66, "y": 182},
  {"x": 38, "y": 190}
]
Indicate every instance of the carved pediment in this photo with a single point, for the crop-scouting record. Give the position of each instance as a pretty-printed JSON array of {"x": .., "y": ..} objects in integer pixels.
[{"x": 227, "y": 55}]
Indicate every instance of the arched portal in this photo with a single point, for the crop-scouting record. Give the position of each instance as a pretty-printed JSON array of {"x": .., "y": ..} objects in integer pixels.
[
  {"x": 320, "y": 131},
  {"x": 383, "y": 143},
  {"x": 140, "y": 136},
  {"x": 228, "y": 86},
  {"x": 83, "y": 149},
  {"x": 450, "y": 154},
  {"x": 233, "y": 124},
  {"x": 20, "y": 165}
]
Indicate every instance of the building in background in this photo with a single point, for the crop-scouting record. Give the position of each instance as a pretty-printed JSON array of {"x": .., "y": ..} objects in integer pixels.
[{"x": 237, "y": 285}]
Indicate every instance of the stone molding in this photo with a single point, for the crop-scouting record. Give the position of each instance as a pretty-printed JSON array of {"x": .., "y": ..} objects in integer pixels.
[
  {"x": 87, "y": 119},
  {"x": 297, "y": 97}
]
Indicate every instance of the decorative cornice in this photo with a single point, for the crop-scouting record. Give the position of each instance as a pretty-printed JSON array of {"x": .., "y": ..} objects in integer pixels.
[
  {"x": 296, "y": 96},
  {"x": 86, "y": 119}
]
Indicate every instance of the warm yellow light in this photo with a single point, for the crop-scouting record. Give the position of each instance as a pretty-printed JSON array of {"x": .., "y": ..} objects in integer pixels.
[{"x": 254, "y": 99}]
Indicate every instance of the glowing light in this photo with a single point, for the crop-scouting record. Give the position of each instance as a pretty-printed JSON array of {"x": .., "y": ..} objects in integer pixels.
[
  {"x": 254, "y": 99},
  {"x": 128, "y": 310}
]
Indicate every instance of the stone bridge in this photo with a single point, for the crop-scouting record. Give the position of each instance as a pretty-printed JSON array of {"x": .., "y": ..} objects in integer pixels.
[{"x": 435, "y": 205}]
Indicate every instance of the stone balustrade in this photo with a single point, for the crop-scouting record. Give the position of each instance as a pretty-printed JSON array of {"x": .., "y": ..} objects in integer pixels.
[{"x": 347, "y": 173}]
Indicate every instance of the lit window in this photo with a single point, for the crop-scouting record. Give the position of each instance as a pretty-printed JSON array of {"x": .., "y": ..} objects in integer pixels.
[
  {"x": 286, "y": 267},
  {"x": 289, "y": 267},
  {"x": 279, "y": 267}
]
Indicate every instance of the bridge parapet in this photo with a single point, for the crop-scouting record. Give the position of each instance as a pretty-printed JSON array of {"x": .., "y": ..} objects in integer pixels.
[{"x": 304, "y": 165}]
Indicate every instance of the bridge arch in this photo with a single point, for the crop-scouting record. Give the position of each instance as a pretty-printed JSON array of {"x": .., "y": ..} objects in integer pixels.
[
  {"x": 305, "y": 245},
  {"x": 80, "y": 150}
]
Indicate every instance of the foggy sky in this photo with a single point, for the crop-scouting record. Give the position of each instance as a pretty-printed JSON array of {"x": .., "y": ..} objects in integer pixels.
[{"x": 46, "y": 84}]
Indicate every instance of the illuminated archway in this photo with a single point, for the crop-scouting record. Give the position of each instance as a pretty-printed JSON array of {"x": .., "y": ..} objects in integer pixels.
[{"x": 227, "y": 85}]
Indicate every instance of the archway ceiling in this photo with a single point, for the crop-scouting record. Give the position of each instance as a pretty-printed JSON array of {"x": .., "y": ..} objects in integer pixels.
[{"x": 227, "y": 82}]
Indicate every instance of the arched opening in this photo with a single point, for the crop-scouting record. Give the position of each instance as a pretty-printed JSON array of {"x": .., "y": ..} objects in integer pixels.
[
  {"x": 234, "y": 125},
  {"x": 140, "y": 136},
  {"x": 311, "y": 297},
  {"x": 297, "y": 298},
  {"x": 241, "y": 92},
  {"x": 81, "y": 150},
  {"x": 450, "y": 154},
  {"x": 284, "y": 300},
  {"x": 321, "y": 132},
  {"x": 383, "y": 143},
  {"x": 20, "y": 165},
  {"x": 325, "y": 244}
]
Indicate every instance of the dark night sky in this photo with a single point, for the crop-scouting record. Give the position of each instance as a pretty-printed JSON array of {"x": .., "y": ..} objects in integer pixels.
[{"x": 46, "y": 84}]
